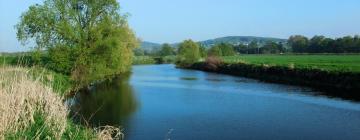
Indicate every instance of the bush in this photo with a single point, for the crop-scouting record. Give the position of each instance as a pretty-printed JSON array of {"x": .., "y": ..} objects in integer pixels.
[
  {"x": 212, "y": 63},
  {"x": 189, "y": 53}
]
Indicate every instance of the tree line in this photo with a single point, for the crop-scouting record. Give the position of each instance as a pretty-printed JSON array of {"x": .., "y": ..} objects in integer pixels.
[{"x": 322, "y": 44}]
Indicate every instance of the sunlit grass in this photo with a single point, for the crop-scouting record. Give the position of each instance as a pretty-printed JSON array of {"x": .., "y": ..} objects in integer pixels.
[
  {"x": 343, "y": 63},
  {"x": 30, "y": 109}
]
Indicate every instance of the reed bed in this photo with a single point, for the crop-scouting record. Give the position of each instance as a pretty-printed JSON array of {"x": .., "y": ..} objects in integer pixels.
[{"x": 31, "y": 110}]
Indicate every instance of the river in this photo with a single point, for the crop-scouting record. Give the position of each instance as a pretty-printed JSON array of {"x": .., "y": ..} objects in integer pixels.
[{"x": 158, "y": 102}]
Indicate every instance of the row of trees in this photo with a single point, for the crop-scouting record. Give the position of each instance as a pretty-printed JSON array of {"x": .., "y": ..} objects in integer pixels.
[
  {"x": 321, "y": 44},
  {"x": 190, "y": 52},
  {"x": 222, "y": 49},
  {"x": 296, "y": 44},
  {"x": 165, "y": 50},
  {"x": 253, "y": 47}
]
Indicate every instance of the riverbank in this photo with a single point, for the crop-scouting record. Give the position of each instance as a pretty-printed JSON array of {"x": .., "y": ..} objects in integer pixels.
[
  {"x": 335, "y": 83},
  {"x": 149, "y": 60},
  {"x": 31, "y": 108}
]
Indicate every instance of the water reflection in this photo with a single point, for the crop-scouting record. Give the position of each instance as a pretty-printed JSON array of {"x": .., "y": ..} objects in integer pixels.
[
  {"x": 213, "y": 106},
  {"x": 107, "y": 103}
]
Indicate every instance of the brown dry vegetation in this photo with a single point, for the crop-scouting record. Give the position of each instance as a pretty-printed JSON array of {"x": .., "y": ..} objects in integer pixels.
[
  {"x": 213, "y": 63},
  {"x": 23, "y": 98}
]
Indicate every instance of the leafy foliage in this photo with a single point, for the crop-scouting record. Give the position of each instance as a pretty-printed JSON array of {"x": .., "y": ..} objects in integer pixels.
[
  {"x": 215, "y": 51},
  {"x": 222, "y": 49},
  {"x": 272, "y": 48},
  {"x": 203, "y": 51},
  {"x": 321, "y": 44},
  {"x": 87, "y": 38},
  {"x": 188, "y": 53},
  {"x": 167, "y": 50}
]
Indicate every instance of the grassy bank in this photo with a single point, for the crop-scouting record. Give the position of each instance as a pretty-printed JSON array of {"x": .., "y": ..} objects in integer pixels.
[
  {"x": 326, "y": 62},
  {"x": 31, "y": 109},
  {"x": 339, "y": 76},
  {"x": 145, "y": 60}
]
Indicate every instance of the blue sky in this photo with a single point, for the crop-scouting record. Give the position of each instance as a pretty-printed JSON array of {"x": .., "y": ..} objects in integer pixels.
[{"x": 175, "y": 20}]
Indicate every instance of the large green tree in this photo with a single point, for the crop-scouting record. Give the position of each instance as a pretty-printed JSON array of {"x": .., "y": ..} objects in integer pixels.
[
  {"x": 167, "y": 50},
  {"x": 95, "y": 32},
  {"x": 298, "y": 43},
  {"x": 188, "y": 53},
  {"x": 316, "y": 44}
]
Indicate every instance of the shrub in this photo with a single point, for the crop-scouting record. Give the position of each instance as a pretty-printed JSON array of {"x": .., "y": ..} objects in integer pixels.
[
  {"x": 212, "y": 63},
  {"x": 189, "y": 53}
]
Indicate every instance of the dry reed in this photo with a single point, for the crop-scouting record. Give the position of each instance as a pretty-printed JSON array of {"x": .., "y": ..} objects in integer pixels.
[{"x": 22, "y": 96}]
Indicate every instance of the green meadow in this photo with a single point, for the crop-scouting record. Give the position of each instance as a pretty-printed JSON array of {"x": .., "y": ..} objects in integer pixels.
[{"x": 342, "y": 63}]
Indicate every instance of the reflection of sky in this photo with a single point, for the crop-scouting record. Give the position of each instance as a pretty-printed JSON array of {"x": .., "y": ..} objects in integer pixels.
[
  {"x": 217, "y": 83},
  {"x": 213, "y": 106},
  {"x": 225, "y": 107}
]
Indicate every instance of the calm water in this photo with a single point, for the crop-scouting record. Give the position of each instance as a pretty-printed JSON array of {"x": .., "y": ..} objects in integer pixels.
[{"x": 160, "y": 102}]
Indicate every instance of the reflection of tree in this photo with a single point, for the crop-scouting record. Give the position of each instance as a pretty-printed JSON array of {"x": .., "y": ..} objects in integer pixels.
[{"x": 106, "y": 103}]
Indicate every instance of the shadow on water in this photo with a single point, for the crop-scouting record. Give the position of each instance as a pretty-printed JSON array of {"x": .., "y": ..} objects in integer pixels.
[
  {"x": 108, "y": 103},
  {"x": 189, "y": 78}
]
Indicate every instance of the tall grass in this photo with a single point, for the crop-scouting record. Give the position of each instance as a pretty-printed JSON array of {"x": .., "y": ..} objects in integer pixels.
[{"x": 31, "y": 110}]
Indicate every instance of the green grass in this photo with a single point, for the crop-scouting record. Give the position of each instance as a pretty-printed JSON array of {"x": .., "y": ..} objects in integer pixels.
[
  {"x": 140, "y": 60},
  {"x": 343, "y": 63},
  {"x": 39, "y": 130},
  {"x": 7, "y": 60},
  {"x": 61, "y": 83}
]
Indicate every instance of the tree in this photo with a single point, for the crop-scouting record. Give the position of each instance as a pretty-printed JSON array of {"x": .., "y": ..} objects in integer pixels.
[
  {"x": 241, "y": 48},
  {"x": 356, "y": 44},
  {"x": 215, "y": 51},
  {"x": 95, "y": 31},
  {"x": 222, "y": 49},
  {"x": 253, "y": 48},
  {"x": 167, "y": 50},
  {"x": 188, "y": 53},
  {"x": 139, "y": 52},
  {"x": 203, "y": 51},
  {"x": 316, "y": 44},
  {"x": 226, "y": 49},
  {"x": 61, "y": 62},
  {"x": 272, "y": 48},
  {"x": 298, "y": 43},
  {"x": 329, "y": 46},
  {"x": 346, "y": 44}
]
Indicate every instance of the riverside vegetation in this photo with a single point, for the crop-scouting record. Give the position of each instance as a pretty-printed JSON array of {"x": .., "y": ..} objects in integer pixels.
[
  {"x": 30, "y": 109},
  {"x": 337, "y": 74},
  {"x": 78, "y": 43}
]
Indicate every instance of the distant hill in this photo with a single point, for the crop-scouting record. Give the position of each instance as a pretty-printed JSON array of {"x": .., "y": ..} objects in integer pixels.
[
  {"x": 235, "y": 40},
  {"x": 149, "y": 45}
]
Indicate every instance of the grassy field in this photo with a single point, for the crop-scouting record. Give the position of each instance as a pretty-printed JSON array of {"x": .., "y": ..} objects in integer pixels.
[{"x": 343, "y": 63}]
